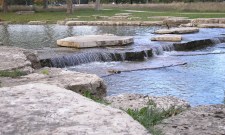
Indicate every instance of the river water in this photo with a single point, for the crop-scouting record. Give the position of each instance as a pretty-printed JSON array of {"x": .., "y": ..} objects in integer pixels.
[{"x": 200, "y": 81}]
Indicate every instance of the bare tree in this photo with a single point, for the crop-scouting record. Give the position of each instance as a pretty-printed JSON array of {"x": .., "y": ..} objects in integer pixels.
[
  {"x": 97, "y": 4},
  {"x": 5, "y": 6},
  {"x": 69, "y": 6},
  {"x": 45, "y": 4}
]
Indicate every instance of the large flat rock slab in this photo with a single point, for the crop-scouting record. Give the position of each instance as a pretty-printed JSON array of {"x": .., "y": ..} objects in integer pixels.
[
  {"x": 182, "y": 30},
  {"x": 201, "y": 120},
  {"x": 75, "y": 81},
  {"x": 12, "y": 58},
  {"x": 43, "y": 109},
  {"x": 138, "y": 101},
  {"x": 90, "y": 41},
  {"x": 167, "y": 38}
]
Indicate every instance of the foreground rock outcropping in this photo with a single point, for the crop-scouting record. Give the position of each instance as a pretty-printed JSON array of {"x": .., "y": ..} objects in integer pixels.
[
  {"x": 138, "y": 101},
  {"x": 47, "y": 109},
  {"x": 201, "y": 120},
  {"x": 75, "y": 81},
  {"x": 12, "y": 58}
]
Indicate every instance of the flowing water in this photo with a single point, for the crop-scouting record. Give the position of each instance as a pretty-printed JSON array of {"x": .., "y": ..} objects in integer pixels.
[{"x": 200, "y": 81}]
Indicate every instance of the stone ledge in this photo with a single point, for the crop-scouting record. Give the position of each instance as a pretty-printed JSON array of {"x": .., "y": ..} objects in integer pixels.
[
  {"x": 168, "y": 38},
  {"x": 46, "y": 109},
  {"x": 75, "y": 81},
  {"x": 90, "y": 41}
]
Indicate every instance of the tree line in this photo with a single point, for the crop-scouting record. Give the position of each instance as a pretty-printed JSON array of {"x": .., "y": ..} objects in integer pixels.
[{"x": 69, "y": 3}]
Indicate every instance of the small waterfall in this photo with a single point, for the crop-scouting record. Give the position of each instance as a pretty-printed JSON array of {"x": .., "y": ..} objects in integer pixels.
[
  {"x": 82, "y": 58},
  {"x": 77, "y": 59},
  {"x": 158, "y": 50}
]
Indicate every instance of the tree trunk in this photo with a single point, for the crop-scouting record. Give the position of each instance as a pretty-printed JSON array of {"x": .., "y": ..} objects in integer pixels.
[
  {"x": 5, "y": 6},
  {"x": 45, "y": 4},
  {"x": 97, "y": 5},
  {"x": 69, "y": 6}
]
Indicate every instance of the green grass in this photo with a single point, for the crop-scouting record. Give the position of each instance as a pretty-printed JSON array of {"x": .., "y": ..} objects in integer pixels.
[
  {"x": 151, "y": 116},
  {"x": 53, "y": 17},
  {"x": 45, "y": 71},
  {"x": 13, "y": 74},
  {"x": 88, "y": 94}
]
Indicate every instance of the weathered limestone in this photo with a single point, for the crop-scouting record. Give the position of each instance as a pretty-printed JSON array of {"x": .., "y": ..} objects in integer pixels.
[
  {"x": 138, "y": 101},
  {"x": 170, "y": 38},
  {"x": 47, "y": 109},
  {"x": 208, "y": 21},
  {"x": 37, "y": 22},
  {"x": 75, "y": 81},
  {"x": 215, "y": 25},
  {"x": 89, "y": 41},
  {"x": 180, "y": 30},
  {"x": 176, "y": 21},
  {"x": 13, "y": 58},
  {"x": 25, "y": 12},
  {"x": 201, "y": 120},
  {"x": 113, "y": 23}
]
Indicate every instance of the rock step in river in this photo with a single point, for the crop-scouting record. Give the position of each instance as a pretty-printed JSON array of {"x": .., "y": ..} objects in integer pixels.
[
  {"x": 103, "y": 55},
  {"x": 90, "y": 41}
]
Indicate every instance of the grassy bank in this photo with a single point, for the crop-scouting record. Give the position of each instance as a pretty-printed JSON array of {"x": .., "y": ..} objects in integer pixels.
[{"x": 87, "y": 15}]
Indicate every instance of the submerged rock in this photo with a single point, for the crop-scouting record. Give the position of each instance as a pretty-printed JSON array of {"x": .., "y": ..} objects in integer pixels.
[
  {"x": 201, "y": 120},
  {"x": 184, "y": 30},
  {"x": 138, "y": 101},
  {"x": 13, "y": 58},
  {"x": 193, "y": 45},
  {"x": 75, "y": 81},
  {"x": 170, "y": 38},
  {"x": 47, "y": 109},
  {"x": 90, "y": 41}
]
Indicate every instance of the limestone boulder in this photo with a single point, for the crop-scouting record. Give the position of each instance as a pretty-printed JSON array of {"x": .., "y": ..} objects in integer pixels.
[
  {"x": 74, "y": 81},
  {"x": 215, "y": 25},
  {"x": 176, "y": 21},
  {"x": 90, "y": 41},
  {"x": 37, "y": 22},
  {"x": 208, "y": 21},
  {"x": 23, "y": 60},
  {"x": 181, "y": 30},
  {"x": 200, "y": 120},
  {"x": 47, "y": 109},
  {"x": 138, "y": 101},
  {"x": 168, "y": 38}
]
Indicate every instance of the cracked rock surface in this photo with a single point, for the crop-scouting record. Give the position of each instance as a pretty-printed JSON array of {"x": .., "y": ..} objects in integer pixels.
[{"x": 47, "y": 109}]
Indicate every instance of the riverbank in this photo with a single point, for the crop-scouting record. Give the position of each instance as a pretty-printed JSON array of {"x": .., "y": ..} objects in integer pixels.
[{"x": 138, "y": 14}]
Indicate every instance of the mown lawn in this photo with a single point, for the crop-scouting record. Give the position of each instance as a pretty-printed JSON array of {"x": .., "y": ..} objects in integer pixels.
[{"x": 87, "y": 15}]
